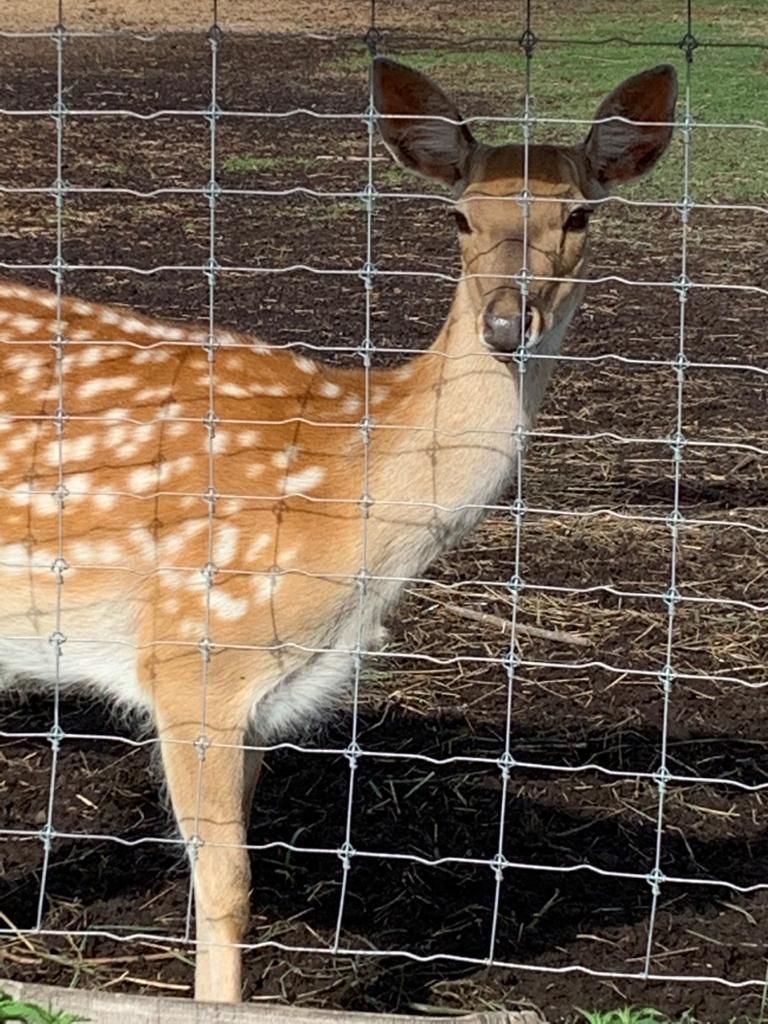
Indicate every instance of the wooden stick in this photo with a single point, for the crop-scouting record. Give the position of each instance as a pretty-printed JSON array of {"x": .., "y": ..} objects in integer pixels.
[{"x": 504, "y": 625}]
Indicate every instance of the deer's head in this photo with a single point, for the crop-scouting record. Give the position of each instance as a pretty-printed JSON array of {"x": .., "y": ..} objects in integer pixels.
[{"x": 422, "y": 128}]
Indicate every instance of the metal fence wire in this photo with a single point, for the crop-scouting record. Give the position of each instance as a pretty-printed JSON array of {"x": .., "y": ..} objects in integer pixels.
[{"x": 506, "y": 762}]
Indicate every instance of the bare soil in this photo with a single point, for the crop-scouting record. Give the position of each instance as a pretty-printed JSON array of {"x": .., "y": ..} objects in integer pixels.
[{"x": 586, "y": 721}]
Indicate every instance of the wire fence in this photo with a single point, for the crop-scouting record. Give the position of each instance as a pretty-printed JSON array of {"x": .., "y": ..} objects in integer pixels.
[{"x": 667, "y": 673}]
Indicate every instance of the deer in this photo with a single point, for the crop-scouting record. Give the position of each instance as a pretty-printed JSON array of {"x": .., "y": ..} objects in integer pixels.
[{"x": 210, "y": 530}]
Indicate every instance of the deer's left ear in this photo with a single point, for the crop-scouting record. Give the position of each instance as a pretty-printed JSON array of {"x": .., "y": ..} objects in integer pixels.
[
  {"x": 617, "y": 151},
  {"x": 415, "y": 123}
]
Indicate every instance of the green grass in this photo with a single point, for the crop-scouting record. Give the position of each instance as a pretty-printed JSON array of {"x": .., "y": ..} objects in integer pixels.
[
  {"x": 569, "y": 80},
  {"x": 246, "y": 163},
  {"x": 27, "y": 1013},
  {"x": 116, "y": 168}
]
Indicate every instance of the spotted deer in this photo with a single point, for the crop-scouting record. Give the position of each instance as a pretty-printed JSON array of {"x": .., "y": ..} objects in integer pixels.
[{"x": 187, "y": 538}]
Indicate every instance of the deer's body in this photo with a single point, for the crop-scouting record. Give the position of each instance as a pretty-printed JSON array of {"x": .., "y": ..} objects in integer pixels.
[
  {"x": 288, "y": 468},
  {"x": 213, "y": 539}
]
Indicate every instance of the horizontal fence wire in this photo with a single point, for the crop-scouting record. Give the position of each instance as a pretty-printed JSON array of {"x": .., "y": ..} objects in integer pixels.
[{"x": 517, "y": 511}]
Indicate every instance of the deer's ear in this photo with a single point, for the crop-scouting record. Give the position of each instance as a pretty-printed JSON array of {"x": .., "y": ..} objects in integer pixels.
[
  {"x": 620, "y": 150},
  {"x": 410, "y": 108}
]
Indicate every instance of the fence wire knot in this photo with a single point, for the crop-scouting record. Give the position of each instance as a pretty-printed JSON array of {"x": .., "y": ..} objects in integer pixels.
[
  {"x": 55, "y": 736},
  {"x": 345, "y": 854},
  {"x": 655, "y": 879},
  {"x": 528, "y": 41},
  {"x": 497, "y": 864}
]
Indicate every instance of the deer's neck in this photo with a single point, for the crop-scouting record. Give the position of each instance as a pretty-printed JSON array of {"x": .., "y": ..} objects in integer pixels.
[
  {"x": 454, "y": 443},
  {"x": 465, "y": 388}
]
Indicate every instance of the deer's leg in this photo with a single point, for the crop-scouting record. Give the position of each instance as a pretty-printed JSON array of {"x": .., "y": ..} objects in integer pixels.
[
  {"x": 252, "y": 762},
  {"x": 209, "y": 784}
]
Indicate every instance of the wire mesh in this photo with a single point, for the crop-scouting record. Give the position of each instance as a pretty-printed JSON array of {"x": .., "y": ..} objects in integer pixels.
[{"x": 518, "y": 508}]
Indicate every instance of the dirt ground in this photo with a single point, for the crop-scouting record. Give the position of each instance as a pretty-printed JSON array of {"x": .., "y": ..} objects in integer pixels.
[
  {"x": 586, "y": 719},
  {"x": 284, "y": 16}
]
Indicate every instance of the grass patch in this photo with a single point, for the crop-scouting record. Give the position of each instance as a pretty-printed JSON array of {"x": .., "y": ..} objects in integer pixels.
[
  {"x": 728, "y": 85},
  {"x": 246, "y": 163},
  {"x": 117, "y": 168}
]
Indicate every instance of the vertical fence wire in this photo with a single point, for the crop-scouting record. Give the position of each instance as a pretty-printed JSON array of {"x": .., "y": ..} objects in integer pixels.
[
  {"x": 675, "y": 520},
  {"x": 208, "y": 571},
  {"x": 527, "y": 43},
  {"x": 57, "y": 638},
  {"x": 363, "y": 581}
]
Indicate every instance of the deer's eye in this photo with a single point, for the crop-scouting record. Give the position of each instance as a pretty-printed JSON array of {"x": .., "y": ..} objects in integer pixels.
[
  {"x": 579, "y": 218},
  {"x": 461, "y": 223}
]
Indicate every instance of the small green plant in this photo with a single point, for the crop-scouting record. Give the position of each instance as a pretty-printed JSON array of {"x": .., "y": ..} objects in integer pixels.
[
  {"x": 27, "y": 1013},
  {"x": 625, "y": 1015}
]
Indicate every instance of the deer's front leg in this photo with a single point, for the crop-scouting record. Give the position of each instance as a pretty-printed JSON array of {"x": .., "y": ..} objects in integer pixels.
[{"x": 210, "y": 783}]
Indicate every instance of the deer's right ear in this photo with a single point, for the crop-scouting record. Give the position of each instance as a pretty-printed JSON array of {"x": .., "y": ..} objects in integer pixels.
[{"x": 410, "y": 108}]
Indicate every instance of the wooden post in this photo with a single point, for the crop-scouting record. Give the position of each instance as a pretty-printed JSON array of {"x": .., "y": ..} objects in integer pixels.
[{"x": 120, "y": 1008}]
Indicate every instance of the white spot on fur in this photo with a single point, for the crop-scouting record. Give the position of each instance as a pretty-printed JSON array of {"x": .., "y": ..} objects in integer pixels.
[
  {"x": 221, "y": 440},
  {"x": 14, "y": 557},
  {"x": 93, "y": 354},
  {"x": 27, "y": 324},
  {"x": 105, "y": 501},
  {"x": 79, "y": 487},
  {"x": 132, "y": 326},
  {"x": 74, "y": 449},
  {"x": 171, "y": 410},
  {"x": 227, "y": 339},
  {"x": 258, "y": 544},
  {"x": 22, "y": 440},
  {"x": 150, "y": 355},
  {"x": 110, "y": 316},
  {"x": 82, "y": 308},
  {"x": 28, "y": 365},
  {"x": 82, "y": 552},
  {"x": 141, "y": 539},
  {"x": 225, "y": 544},
  {"x": 286, "y": 457},
  {"x": 271, "y": 390},
  {"x": 116, "y": 436},
  {"x": 329, "y": 389},
  {"x": 304, "y": 480},
  {"x": 267, "y": 586},
  {"x": 227, "y": 607},
  {"x": 176, "y": 467},
  {"x": 352, "y": 404},
  {"x": 233, "y": 390},
  {"x": 98, "y": 385},
  {"x": 142, "y": 479},
  {"x": 248, "y": 438},
  {"x": 159, "y": 392},
  {"x": 305, "y": 365},
  {"x": 175, "y": 542}
]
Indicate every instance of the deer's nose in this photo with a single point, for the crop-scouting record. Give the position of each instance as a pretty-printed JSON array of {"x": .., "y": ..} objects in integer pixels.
[{"x": 506, "y": 327}]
